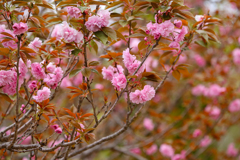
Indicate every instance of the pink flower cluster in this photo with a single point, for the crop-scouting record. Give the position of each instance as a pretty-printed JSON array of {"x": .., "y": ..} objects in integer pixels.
[
  {"x": 213, "y": 91},
  {"x": 116, "y": 76},
  {"x": 213, "y": 111},
  {"x": 178, "y": 37},
  {"x": 57, "y": 128},
  {"x": 142, "y": 96},
  {"x": 35, "y": 45},
  {"x": 231, "y": 150},
  {"x": 96, "y": 22},
  {"x": 32, "y": 85},
  {"x": 234, "y": 106},
  {"x": 19, "y": 28},
  {"x": 131, "y": 63},
  {"x": 53, "y": 76},
  {"x": 8, "y": 79},
  {"x": 148, "y": 124},
  {"x": 236, "y": 56},
  {"x": 68, "y": 34},
  {"x": 42, "y": 94},
  {"x": 7, "y": 44},
  {"x": 74, "y": 12},
  {"x": 163, "y": 29}
]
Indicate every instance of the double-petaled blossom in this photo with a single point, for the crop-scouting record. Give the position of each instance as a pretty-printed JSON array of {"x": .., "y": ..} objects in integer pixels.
[
  {"x": 110, "y": 72},
  {"x": 148, "y": 124},
  {"x": 96, "y": 22},
  {"x": 205, "y": 141},
  {"x": 163, "y": 29},
  {"x": 119, "y": 81},
  {"x": 35, "y": 45},
  {"x": 166, "y": 150},
  {"x": 234, "y": 106},
  {"x": 178, "y": 23},
  {"x": 131, "y": 63},
  {"x": 10, "y": 43},
  {"x": 181, "y": 34},
  {"x": 231, "y": 150},
  {"x": 67, "y": 33},
  {"x": 214, "y": 90},
  {"x": 74, "y": 12},
  {"x": 198, "y": 90},
  {"x": 42, "y": 94},
  {"x": 19, "y": 28},
  {"x": 32, "y": 85},
  {"x": 142, "y": 96},
  {"x": 53, "y": 78},
  {"x": 37, "y": 71}
]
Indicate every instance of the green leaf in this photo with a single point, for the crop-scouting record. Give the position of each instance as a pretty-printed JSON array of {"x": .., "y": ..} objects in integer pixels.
[
  {"x": 95, "y": 71},
  {"x": 102, "y": 36},
  {"x": 123, "y": 23},
  {"x": 83, "y": 8},
  {"x": 93, "y": 47},
  {"x": 110, "y": 33},
  {"x": 76, "y": 51},
  {"x": 93, "y": 63},
  {"x": 74, "y": 73},
  {"x": 86, "y": 72}
]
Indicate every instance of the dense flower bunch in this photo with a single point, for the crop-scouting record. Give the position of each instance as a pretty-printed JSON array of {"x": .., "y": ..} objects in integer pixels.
[{"x": 152, "y": 61}]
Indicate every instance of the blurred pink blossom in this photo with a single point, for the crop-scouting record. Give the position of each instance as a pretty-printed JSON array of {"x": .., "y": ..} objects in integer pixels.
[
  {"x": 234, "y": 106},
  {"x": 148, "y": 124}
]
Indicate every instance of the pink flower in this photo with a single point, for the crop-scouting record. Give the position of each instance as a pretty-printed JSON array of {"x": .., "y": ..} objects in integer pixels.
[
  {"x": 148, "y": 124},
  {"x": 137, "y": 97},
  {"x": 198, "y": 90},
  {"x": 37, "y": 71},
  {"x": 166, "y": 150},
  {"x": 214, "y": 90},
  {"x": 58, "y": 130},
  {"x": 205, "y": 141},
  {"x": 148, "y": 92},
  {"x": 74, "y": 12},
  {"x": 234, "y": 106},
  {"x": 213, "y": 111},
  {"x": 181, "y": 156},
  {"x": 136, "y": 150},
  {"x": 131, "y": 63},
  {"x": 42, "y": 94},
  {"x": 182, "y": 34},
  {"x": 55, "y": 126},
  {"x": 231, "y": 150},
  {"x": 99, "y": 86},
  {"x": 152, "y": 149},
  {"x": 35, "y": 45},
  {"x": 95, "y": 23},
  {"x": 19, "y": 28},
  {"x": 5, "y": 77},
  {"x": 178, "y": 23},
  {"x": 108, "y": 73},
  {"x": 32, "y": 85},
  {"x": 197, "y": 133},
  {"x": 199, "y": 18},
  {"x": 52, "y": 79},
  {"x": 174, "y": 45},
  {"x": 166, "y": 28},
  {"x": 142, "y": 96},
  {"x": 199, "y": 60},
  {"x": 8, "y": 44},
  {"x": 22, "y": 69},
  {"x": 67, "y": 33},
  {"x": 163, "y": 29},
  {"x": 119, "y": 81},
  {"x": 236, "y": 56}
]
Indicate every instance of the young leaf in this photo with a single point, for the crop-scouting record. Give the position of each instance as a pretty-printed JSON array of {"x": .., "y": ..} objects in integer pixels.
[
  {"x": 102, "y": 36},
  {"x": 110, "y": 33}
]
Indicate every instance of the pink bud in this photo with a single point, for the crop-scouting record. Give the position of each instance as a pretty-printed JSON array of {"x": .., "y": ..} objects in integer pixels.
[
  {"x": 58, "y": 130},
  {"x": 178, "y": 23},
  {"x": 197, "y": 133},
  {"x": 147, "y": 31},
  {"x": 145, "y": 39},
  {"x": 55, "y": 126}
]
